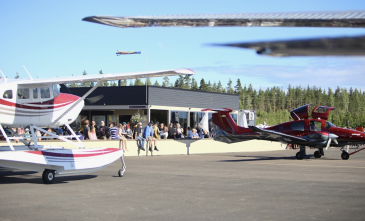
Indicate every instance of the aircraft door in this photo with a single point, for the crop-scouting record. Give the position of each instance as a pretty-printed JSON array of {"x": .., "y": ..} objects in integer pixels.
[{"x": 24, "y": 111}]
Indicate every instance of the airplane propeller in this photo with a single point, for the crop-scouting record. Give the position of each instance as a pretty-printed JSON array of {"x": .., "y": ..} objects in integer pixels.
[{"x": 330, "y": 138}]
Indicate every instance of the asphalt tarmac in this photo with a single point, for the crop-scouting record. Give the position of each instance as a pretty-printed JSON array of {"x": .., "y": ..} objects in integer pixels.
[{"x": 233, "y": 186}]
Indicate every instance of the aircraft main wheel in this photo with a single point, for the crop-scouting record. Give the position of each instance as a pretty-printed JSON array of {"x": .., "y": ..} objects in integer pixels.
[
  {"x": 299, "y": 156},
  {"x": 121, "y": 172},
  {"x": 48, "y": 176},
  {"x": 345, "y": 155},
  {"x": 317, "y": 154}
]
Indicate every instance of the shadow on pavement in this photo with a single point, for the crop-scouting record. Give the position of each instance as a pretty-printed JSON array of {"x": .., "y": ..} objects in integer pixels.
[
  {"x": 23, "y": 177},
  {"x": 259, "y": 158}
]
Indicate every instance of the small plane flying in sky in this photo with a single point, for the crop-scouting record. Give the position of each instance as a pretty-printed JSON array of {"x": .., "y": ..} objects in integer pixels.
[
  {"x": 354, "y": 46},
  {"x": 303, "y": 131},
  {"x": 127, "y": 52},
  {"x": 38, "y": 103}
]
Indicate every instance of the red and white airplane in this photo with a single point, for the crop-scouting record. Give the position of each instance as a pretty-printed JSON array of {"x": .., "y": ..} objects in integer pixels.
[{"x": 38, "y": 103}]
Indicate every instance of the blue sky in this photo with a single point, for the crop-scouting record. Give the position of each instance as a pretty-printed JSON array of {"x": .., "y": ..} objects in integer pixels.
[{"x": 49, "y": 38}]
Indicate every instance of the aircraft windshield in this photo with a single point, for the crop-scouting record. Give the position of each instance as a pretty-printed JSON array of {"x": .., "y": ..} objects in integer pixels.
[
  {"x": 56, "y": 91},
  {"x": 329, "y": 125}
]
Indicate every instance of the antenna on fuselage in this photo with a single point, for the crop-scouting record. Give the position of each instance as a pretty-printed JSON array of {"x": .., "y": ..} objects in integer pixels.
[
  {"x": 28, "y": 73},
  {"x": 5, "y": 79}
]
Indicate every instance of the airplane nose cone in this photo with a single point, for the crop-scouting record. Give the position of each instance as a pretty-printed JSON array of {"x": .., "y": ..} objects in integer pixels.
[{"x": 332, "y": 136}]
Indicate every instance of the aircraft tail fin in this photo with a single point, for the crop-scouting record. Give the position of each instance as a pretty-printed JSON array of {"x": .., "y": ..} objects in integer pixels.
[
  {"x": 224, "y": 121},
  {"x": 226, "y": 130}
]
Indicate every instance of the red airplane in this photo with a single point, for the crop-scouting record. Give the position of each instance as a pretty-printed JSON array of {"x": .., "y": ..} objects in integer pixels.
[{"x": 317, "y": 132}]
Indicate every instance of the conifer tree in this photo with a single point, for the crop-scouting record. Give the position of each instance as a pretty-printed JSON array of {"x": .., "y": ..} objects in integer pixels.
[
  {"x": 194, "y": 85},
  {"x": 203, "y": 86},
  {"x": 156, "y": 84}
]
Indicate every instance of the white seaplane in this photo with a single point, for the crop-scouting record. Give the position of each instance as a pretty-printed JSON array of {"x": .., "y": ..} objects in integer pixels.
[{"x": 38, "y": 103}]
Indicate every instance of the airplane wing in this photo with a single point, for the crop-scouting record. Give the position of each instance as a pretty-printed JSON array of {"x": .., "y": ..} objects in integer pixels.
[
  {"x": 354, "y": 18},
  {"x": 276, "y": 136},
  {"x": 354, "y": 46},
  {"x": 104, "y": 77}
]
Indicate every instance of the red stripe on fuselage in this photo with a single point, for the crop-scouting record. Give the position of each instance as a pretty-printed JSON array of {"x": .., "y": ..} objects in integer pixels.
[
  {"x": 75, "y": 155},
  {"x": 60, "y": 101}
]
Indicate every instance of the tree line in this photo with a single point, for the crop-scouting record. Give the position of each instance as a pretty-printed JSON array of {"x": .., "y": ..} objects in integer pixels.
[{"x": 273, "y": 104}]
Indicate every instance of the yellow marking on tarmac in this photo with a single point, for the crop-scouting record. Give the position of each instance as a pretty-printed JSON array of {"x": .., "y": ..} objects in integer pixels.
[{"x": 321, "y": 166}]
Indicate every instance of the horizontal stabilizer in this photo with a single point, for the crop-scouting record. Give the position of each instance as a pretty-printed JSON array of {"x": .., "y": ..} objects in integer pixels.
[{"x": 219, "y": 110}]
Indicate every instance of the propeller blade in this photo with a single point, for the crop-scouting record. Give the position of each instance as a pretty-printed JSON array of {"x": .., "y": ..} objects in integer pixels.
[
  {"x": 328, "y": 143},
  {"x": 335, "y": 140}
]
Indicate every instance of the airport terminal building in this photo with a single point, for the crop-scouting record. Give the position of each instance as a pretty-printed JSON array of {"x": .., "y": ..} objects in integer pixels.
[{"x": 162, "y": 104}]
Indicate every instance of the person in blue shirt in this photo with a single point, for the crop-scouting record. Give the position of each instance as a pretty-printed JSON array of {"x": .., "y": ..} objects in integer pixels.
[
  {"x": 195, "y": 134},
  {"x": 148, "y": 135},
  {"x": 190, "y": 133}
]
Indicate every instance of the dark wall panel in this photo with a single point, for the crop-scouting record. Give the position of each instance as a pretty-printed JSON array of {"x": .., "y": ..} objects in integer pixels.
[
  {"x": 136, "y": 95},
  {"x": 130, "y": 95},
  {"x": 188, "y": 98}
]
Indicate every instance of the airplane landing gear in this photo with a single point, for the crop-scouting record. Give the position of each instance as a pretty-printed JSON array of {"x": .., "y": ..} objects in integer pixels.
[
  {"x": 300, "y": 155},
  {"x": 317, "y": 154},
  {"x": 345, "y": 155},
  {"x": 48, "y": 176},
  {"x": 121, "y": 171}
]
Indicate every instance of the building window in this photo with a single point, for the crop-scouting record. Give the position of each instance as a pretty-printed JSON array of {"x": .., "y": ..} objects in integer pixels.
[
  {"x": 160, "y": 116},
  {"x": 98, "y": 119},
  {"x": 113, "y": 119},
  {"x": 180, "y": 117}
]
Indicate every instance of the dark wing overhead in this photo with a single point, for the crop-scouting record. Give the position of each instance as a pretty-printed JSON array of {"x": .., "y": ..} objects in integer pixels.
[
  {"x": 274, "y": 19},
  {"x": 307, "y": 47},
  {"x": 354, "y": 46}
]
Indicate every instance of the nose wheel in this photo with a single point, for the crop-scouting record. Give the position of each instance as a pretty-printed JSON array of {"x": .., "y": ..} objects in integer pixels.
[{"x": 121, "y": 171}]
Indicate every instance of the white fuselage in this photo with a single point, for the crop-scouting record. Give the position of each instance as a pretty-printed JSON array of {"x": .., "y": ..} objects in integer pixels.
[{"x": 40, "y": 105}]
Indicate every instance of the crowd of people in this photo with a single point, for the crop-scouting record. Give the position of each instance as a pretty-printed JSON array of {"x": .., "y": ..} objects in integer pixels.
[
  {"x": 123, "y": 132},
  {"x": 148, "y": 134}
]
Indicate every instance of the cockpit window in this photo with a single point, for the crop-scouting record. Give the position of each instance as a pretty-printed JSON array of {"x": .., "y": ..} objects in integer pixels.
[
  {"x": 329, "y": 125},
  {"x": 23, "y": 93},
  {"x": 56, "y": 91},
  {"x": 321, "y": 110},
  {"x": 315, "y": 125},
  {"x": 8, "y": 94},
  {"x": 298, "y": 125},
  {"x": 45, "y": 93}
]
